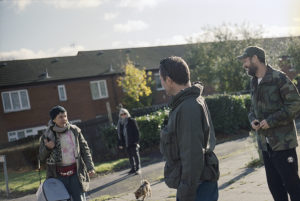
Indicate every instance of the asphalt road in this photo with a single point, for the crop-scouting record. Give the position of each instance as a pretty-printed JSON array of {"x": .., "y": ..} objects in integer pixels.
[{"x": 237, "y": 182}]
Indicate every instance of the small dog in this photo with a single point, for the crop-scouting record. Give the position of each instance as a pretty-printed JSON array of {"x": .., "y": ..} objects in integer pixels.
[{"x": 144, "y": 190}]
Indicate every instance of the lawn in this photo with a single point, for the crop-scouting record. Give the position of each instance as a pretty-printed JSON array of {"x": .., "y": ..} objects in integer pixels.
[{"x": 21, "y": 183}]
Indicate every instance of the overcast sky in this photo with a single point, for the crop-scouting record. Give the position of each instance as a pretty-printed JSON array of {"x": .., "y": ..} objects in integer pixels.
[{"x": 49, "y": 28}]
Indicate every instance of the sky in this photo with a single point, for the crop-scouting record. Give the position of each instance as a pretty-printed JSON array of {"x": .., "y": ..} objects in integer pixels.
[{"x": 51, "y": 28}]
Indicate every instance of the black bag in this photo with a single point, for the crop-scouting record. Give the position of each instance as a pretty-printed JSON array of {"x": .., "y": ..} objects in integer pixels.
[{"x": 211, "y": 170}]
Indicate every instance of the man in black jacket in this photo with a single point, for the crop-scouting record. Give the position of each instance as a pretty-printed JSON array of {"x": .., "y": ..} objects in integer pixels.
[{"x": 129, "y": 136}]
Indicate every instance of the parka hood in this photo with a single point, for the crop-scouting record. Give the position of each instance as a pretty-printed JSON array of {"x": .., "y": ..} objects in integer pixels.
[{"x": 194, "y": 91}]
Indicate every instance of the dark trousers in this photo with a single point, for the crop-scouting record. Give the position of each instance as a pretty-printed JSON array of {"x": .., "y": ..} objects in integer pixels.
[
  {"x": 134, "y": 157},
  {"x": 73, "y": 186},
  {"x": 282, "y": 174}
]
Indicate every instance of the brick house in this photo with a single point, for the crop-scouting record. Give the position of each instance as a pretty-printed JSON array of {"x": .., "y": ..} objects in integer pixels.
[{"x": 84, "y": 84}]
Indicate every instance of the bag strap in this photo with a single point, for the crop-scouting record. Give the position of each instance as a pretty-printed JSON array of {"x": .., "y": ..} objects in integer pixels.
[{"x": 207, "y": 125}]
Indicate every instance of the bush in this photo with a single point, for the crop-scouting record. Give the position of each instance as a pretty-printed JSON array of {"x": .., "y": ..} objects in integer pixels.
[
  {"x": 150, "y": 126},
  {"x": 110, "y": 136},
  {"x": 229, "y": 113}
]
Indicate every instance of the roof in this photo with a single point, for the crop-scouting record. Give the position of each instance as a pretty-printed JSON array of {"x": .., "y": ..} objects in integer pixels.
[
  {"x": 84, "y": 64},
  {"x": 101, "y": 62}
]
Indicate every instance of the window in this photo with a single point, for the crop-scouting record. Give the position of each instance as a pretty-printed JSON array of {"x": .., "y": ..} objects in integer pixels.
[
  {"x": 12, "y": 136},
  {"x": 62, "y": 92},
  {"x": 75, "y": 121},
  {"x": 15, "y": 101},
  {"x": 98, "y": 89},
  {"x": 19, "y": 134},
  {"x": 16, "y": 135},
  {"x": 159, "y": 86}
]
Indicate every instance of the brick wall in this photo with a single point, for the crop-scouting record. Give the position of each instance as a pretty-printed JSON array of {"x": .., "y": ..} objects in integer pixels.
[
  {"x": 79, "y": 104},
  {"x": 43, "y": 97}
]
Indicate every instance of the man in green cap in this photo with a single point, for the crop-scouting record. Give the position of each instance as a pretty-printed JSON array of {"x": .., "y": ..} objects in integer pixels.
[{"x": 275, "y": 102}]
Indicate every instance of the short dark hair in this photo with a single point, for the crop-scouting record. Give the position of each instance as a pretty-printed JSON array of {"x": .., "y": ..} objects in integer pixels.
[
  {"x": 56, "y": 110},
  {"x": 176, "y": 68}
]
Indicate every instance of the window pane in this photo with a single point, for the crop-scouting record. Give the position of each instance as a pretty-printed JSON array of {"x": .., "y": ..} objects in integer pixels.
[
  {"x": 21, "y": 134},
  {"x": 61, "y": 93},
  {"x": 103, "y": 89},
  {"x": 6, "y": 101},
  {"x": 12, "y": 139},
  {"x": 15, "y": 100},
  {"x": 12, "y": 134},
  {"x": 24, "y": 99},
  {"x": 95, "y": 90},
  {"x": 158, "y": 82}
]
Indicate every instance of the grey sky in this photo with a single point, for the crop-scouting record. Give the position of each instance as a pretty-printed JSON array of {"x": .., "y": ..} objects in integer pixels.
[{"x": 45, "y": 28}]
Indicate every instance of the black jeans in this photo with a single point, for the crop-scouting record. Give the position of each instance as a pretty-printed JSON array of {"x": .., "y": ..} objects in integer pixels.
[
  {"x": 134, "y": 157},
  {"x": 282, "y": 174}
]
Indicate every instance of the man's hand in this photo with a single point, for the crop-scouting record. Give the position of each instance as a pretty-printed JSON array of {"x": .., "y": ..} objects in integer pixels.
[
  {"x": 120, "y": 147},
  {"x": 255, "y": 124},
  {"x": 264, "y": 124},
  {"x": 49, "y": 144}
]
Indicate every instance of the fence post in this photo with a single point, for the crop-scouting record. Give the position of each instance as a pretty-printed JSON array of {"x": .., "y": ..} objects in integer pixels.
[
  {"x": 3, "y": 160},
  {"x": 109, "y": 112}
]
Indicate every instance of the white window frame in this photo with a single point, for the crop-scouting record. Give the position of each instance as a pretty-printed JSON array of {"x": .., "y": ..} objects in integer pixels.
[
  {"x": 13, "y": 135},
  {"x": 64, "y": 91},
  {"x": 158, "y": 88},
  {"x": 101, "y": 96},
  {"x": 75, "y": 121},
  {"x": 6, "y": 110}
]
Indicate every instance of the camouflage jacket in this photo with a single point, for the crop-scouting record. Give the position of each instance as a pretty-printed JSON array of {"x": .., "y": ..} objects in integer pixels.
[{"x": 276, "y": 100}]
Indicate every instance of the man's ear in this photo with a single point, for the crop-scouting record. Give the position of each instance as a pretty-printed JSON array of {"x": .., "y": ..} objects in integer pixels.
[
  {"x": 169, "y": 80},
  {"x": 255, "y": 59}
]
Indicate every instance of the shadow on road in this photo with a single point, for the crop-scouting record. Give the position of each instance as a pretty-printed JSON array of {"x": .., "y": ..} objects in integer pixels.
[
  {"x": 238, "y": 177},
  {"x": 157, "y": 182},
  {"x": 108, "y": 184}
]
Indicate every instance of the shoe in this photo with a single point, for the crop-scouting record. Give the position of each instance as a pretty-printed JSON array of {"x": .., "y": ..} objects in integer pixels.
[
  {"x": 131, "y": 171},
  {"x": 138, "y": 172}
]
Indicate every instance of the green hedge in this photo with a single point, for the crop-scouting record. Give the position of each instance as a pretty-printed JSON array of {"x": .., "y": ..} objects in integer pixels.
[
  {"x": 150, "y": 126},
  {"x": 229, "y": 114}
]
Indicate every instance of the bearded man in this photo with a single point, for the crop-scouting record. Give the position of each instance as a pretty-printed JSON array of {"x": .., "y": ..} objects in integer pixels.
[{"x": 275, "y": 102}]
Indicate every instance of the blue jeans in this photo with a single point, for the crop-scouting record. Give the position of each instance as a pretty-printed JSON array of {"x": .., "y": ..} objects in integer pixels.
[
  {"x": 207, "y": 191},
  {"x": 73, "y": 186}
]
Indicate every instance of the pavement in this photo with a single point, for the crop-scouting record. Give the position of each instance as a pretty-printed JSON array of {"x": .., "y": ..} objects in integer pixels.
[{"x": 236, "y": 183}]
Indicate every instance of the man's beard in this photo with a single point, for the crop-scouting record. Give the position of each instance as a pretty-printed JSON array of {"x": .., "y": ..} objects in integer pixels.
[{"x": 252, "y": 70}]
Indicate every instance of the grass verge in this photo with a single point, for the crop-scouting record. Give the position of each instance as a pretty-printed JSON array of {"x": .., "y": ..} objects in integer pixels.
[
  {"x": 255, "y": 163},
  {"x": 22, "y": 183}
]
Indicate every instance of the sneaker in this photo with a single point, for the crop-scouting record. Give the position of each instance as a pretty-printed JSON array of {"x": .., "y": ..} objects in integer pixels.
[
  {"x": 131, "y": 171},
  {"x": 138, "y": 172}
]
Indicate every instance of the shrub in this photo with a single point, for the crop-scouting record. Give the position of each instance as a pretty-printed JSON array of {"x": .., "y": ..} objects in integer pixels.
[
  {"x": 150, "y": 126},
  {"x": 229, "y": 113}
]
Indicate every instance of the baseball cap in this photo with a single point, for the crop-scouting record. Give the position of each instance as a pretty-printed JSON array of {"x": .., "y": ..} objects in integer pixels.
[{"x": 251, "y": 51}]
